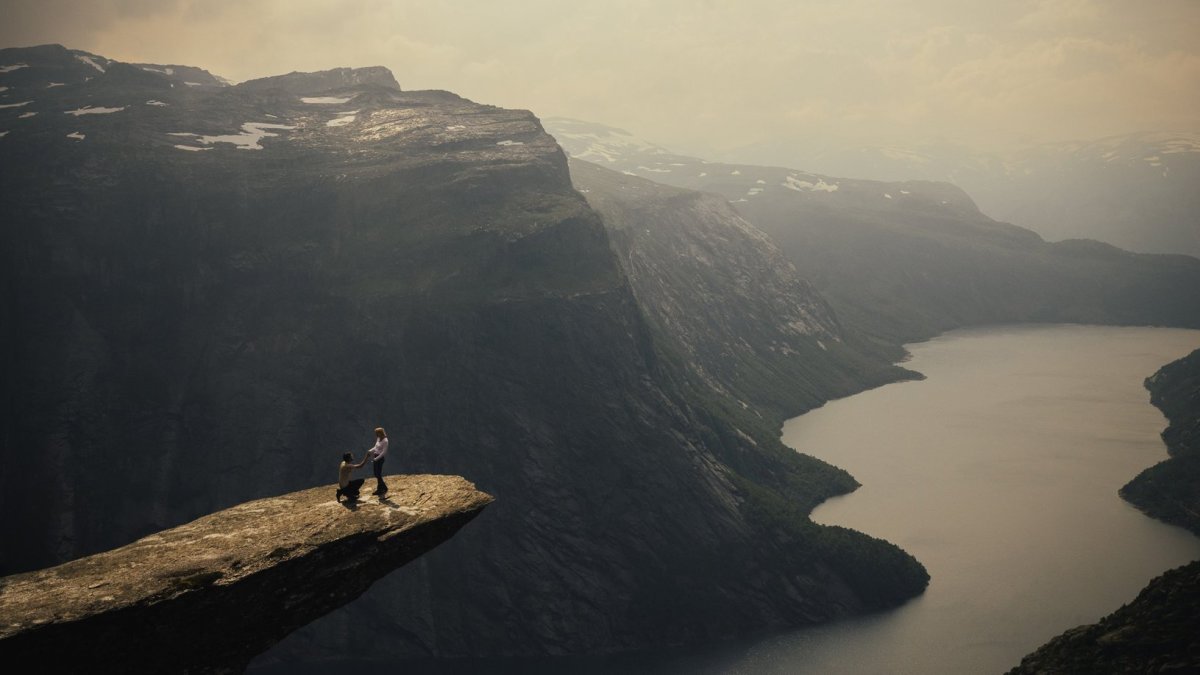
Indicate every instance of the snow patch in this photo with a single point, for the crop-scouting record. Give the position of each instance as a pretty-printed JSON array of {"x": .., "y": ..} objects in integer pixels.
[
  {"x": 157, "y": 103},
  {"x": 735, "y": 172},
  {"x": 754, "y": 191},
  {"x": 325, "y": 100},
  {"x": 92, "y": 110},
  {"x": 164, "y": 71},
  {"x": 887, "y": 196},
  {"x": 346, "y": 118},
  {"x": 55, "y": 84},
  {"x": 76, "y": 135},
  {"x": 192, "y": 148},
  {"x": 702, "y": 174},
  {"x": 629, "y": 173},
  {"x": 646, "y": 168},
  {"x": 15, "y": 105},
  {"x": 761, "y": 181},
  {"x": 905, "y": 192},
  {"x": 3, "y": 88},
  {"x": 26, "y": 115},
  {"x": 822, "y": 345},
  {"x": 456, "y": 127},
  {"x": 607, "y": 144},
  {"x": 15, "y": 66},
  {"x": 1178, "y": 146},
  {"x": 510, "y": 143},
  {"x": 252, "y": 133},
  {"x": 794, "y": 183},
  {"x": 88, "y": 60},
  {"x": 3, "y": 134},
  {"x": 193, "y": 84}
]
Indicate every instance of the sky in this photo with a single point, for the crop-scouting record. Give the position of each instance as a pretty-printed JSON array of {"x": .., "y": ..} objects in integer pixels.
[{"x": 704, "y": 77}]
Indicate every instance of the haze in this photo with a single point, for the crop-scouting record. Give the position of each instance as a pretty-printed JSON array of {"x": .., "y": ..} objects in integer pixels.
[{"x": 709, "y": 78}]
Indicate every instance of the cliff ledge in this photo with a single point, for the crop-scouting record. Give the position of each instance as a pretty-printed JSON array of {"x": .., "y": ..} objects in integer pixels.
[{"x": 209, "y": 595}]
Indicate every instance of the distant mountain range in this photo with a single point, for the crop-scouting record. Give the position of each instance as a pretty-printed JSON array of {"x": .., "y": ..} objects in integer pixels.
[
  {"x": 906, "y": 260},
  {"x": 1136, "y": 191}
]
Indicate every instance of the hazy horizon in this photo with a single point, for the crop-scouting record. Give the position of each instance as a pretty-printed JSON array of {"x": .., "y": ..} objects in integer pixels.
[{"x": 708, "y": 78}]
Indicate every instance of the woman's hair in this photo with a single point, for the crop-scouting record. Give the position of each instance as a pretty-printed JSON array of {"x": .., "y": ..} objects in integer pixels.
[
  {"x": 347, "y": 457},
  {"x": 380, "y": 432}
]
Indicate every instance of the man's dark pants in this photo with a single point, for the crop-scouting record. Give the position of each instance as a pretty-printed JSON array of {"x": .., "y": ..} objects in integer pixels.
[
  {"x": 350, "y": 492},
  {"x": 377, "y": 465}
]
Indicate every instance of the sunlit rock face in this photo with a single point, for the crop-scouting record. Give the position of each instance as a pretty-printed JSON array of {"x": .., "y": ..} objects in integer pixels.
[
  {"x": 210, "y": 292},
  {"x": 209, "y": 595}
]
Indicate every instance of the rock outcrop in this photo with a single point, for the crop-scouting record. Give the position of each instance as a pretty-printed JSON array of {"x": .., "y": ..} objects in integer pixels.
[{"x": 210, "y": 595}]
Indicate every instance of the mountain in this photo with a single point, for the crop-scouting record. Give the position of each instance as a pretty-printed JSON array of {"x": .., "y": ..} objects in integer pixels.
[
  {"x": 210, "y": 292},
  {"x": 1136, "y": 191},
  {"x": 906, "y": 260},
  {"x": 741, "y": 319},
  {"x": 903, "y": 259}
]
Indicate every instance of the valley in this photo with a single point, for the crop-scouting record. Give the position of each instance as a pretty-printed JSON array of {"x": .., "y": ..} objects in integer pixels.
[{"x": 210, "y": 291}]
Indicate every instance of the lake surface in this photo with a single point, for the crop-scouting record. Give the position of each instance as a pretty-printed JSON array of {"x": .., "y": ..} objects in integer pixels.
[{"x": 1000, "y": 473}]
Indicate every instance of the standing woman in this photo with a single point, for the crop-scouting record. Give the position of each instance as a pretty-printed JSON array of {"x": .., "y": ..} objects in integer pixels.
[{"x": 376, "y": 455}]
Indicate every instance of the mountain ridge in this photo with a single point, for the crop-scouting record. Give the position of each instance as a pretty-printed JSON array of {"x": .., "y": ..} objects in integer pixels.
[{"x": 904, "y": 261}]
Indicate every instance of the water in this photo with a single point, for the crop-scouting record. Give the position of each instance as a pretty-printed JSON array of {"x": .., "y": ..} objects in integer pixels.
[{"x": 1000, "y": 473}]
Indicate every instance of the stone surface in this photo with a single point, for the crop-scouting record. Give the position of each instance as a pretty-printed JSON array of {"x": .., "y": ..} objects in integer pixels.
[{"x": 209, "y": 595}]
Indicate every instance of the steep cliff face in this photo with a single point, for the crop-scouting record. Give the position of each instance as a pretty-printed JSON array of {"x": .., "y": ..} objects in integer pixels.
[
  {"x": 209, "y": 293},
  {"x": 1170, "y": 490},
  {"x": 742, "y": 320},
  {"x": 207, "y": 596}
]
